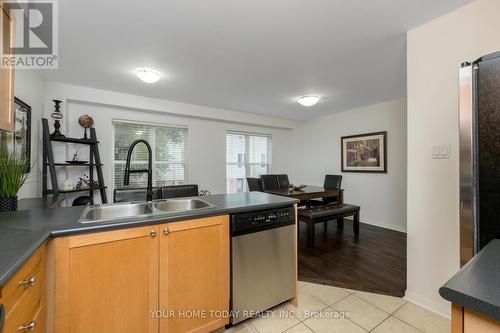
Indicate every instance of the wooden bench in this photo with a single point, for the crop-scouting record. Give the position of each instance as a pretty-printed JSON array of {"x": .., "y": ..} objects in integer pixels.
[{"x": 314, "y": 215}]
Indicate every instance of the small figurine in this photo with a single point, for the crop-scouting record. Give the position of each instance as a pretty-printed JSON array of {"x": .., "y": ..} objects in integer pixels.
[
  {"x": 84, "y": 180},
  {"x": 67, "y": 185}
]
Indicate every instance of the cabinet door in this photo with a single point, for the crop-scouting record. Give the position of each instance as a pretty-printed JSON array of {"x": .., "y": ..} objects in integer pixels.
[
  {"x": 107, "y": 282},
  {"x": 6, "y": 78},
  {"x": 194, "y": 275}
]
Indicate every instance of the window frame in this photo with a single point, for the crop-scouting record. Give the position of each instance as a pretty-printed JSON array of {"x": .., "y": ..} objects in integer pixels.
[
  {"x": 157, "y": 124},
  {"x": 246, "y": 164}
]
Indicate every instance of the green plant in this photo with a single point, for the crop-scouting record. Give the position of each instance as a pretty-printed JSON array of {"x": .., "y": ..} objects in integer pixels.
[{"x": 12, "y": 173}]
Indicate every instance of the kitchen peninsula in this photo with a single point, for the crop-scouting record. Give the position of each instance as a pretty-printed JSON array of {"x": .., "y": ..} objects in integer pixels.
[{"x": 60, "y": 275}]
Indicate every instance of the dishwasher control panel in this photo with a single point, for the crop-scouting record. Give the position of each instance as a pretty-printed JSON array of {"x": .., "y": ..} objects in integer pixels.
[{"x": 261, "y": 220}]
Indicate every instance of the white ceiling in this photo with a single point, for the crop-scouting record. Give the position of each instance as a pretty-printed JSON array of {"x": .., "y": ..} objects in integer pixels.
[{"x": 248, "y": 55}]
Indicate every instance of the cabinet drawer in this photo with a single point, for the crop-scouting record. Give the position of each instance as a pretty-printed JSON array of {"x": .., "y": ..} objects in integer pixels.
[
  {"x": 26, "y": 284},
  {"x": 32, "y": 321}
]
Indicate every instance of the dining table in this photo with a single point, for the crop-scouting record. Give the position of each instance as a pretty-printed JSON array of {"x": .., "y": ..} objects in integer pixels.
[{"x": 309, "y": 192}]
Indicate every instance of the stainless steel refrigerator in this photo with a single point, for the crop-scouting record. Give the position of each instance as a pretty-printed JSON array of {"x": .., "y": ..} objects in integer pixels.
[{"x": 479, "y": 154}]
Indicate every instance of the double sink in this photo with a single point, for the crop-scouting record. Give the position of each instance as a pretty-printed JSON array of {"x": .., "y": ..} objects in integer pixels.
[{"x": 120, "y": 211}]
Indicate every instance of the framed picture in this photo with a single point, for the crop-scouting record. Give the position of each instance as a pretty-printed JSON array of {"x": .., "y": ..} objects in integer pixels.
[
  {"x": 19, "y": 139},
  {"x": 364, "y": 152}
]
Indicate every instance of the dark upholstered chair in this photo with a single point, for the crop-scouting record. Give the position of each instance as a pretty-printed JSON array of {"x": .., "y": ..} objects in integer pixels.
[
  {"x": 283, "y": 181},
  {"x": 332, "y": 182},
  {"x": 269, "y": 182},
  {"x": 178, "y": 191},
  {"x": 128, "y": 194},
  {"x": 254, "y": 184}
]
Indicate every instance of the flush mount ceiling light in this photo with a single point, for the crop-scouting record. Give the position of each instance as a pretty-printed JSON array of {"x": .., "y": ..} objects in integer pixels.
[
  {"x": 308, "y": 100},
  {"x": 148, "y": 75}
]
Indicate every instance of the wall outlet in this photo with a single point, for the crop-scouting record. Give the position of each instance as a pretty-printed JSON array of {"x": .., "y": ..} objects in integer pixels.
[{"x": 441, "y": 152}]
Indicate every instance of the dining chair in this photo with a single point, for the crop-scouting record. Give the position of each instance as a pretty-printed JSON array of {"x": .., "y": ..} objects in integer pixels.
[
  {"x": 254, "y": 184},
  {"x": 178, "y": 191},
  {"x": 283, "y": 181},
  {"x": 269, "y": 182},
  {"x": 332, "y": 182}
]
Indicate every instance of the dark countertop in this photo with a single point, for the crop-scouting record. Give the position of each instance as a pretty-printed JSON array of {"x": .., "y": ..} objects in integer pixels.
[
  {"x": 477, "y": 285},
  {"x": 21, "y": 232}
]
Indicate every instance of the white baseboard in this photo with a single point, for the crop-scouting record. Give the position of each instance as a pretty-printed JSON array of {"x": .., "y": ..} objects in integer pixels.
[
  {"x": 442, "y": 309},
  {"x": 385, "y": 226}
]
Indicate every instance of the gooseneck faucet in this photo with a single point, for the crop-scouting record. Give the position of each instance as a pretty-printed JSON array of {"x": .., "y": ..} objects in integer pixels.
[{"x": 149, "y": 170}]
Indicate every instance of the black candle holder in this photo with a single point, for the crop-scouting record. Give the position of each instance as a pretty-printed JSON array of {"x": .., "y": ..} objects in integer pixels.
[{"x": 57, "y": 116}]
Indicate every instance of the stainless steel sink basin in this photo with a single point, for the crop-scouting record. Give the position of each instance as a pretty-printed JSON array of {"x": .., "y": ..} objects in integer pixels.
[
  {"x": 124, "y": 211},
  {"x": 115, "y": 212},
  {"x": 180, "y": 205}
]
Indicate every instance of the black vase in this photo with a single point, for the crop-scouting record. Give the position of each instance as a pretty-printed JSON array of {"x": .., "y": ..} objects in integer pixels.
[{"x": 8, "y": 204}]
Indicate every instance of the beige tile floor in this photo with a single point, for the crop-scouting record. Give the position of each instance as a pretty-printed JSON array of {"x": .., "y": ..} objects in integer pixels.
[{"x": 324, "y": 309}]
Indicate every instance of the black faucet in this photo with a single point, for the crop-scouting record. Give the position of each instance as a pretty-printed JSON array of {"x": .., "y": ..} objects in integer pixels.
[{"x": 149, "y": 170}]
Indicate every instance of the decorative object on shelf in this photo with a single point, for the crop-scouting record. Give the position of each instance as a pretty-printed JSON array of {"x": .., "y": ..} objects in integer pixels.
[
  {"x": 57, "y": 116},
  {"x": 364, "y": 153},
  {"x": 76, "y": 161},
  {"x": 12, "y": 177},
  {"x": 204, "y": 193},
  {"x": 82, "y": 201},
  {"x": 67, "y": 185},
  {"x": 84, "y": 180},
  {"x": 86, "y": 121}
]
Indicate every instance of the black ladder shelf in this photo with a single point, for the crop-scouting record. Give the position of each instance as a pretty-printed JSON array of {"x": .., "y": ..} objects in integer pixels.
[{"x": 50, "y": 166}]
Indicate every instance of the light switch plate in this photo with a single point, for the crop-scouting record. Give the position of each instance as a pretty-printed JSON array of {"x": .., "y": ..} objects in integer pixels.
[{"x": 441, "y": 152}]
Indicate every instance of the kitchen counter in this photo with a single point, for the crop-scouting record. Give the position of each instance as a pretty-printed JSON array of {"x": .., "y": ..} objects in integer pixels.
[
  {"x": 21, "y": 232},
  {"x": 477, "y": 285}
]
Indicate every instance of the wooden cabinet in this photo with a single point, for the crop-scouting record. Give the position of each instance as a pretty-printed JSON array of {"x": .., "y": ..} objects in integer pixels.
[
  {"x": 194, "y": 275},
  {"x": 106, "y": 282},
  {"x": 6, "y": 76},
  {"x": 464, "y": 320},
  {"x": 147, "y": 279},
  {"x": 23, "y": 296}
]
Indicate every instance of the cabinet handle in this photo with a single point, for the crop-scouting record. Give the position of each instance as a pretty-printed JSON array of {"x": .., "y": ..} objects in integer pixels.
[
  {"x": 28, "y": 327},
  {"x": 166, "y": 231},
  {"x": 28, "y": 282},
  {"x": 153, "y": 233}
]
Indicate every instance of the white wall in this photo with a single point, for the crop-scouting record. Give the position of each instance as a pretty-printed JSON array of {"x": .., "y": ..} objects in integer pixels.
[
  {"x": 435, "y": 52},
  {"x": 382, "y": 197},
  {"x": 206, "y": 130},
  {"x": 29, "y": 87}
]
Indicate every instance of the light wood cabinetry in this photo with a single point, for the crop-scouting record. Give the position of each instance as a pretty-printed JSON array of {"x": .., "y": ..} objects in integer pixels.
[
  {"x": 464, "y": 320},
  {"x": 23, "y": 296},
  {"x": 194, "y": 275},
  {"x": 106, "y": 282},
  {"x": 147, "y": 279},
  {"x": 6, "y": 76}
]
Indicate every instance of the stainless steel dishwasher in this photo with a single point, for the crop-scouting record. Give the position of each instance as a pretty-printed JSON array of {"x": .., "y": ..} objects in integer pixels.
[{"x": 263, "y": 261}]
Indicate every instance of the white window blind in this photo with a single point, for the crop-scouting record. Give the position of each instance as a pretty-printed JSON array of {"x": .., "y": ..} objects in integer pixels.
[
  {"x": 169, "y": 153},
  {"x": 247, "y": 155}
]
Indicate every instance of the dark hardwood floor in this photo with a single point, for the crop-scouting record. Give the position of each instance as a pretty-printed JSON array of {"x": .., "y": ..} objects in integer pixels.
[{"x": 373, "y": 262}]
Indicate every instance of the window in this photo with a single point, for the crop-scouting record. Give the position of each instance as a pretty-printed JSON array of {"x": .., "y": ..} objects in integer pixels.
[
  {"x": 247, "y": 155},
  {"x": 169, "y": 153}
]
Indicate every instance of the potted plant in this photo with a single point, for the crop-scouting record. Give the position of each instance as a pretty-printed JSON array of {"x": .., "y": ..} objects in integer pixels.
[{"x": 12, "y": 177}]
